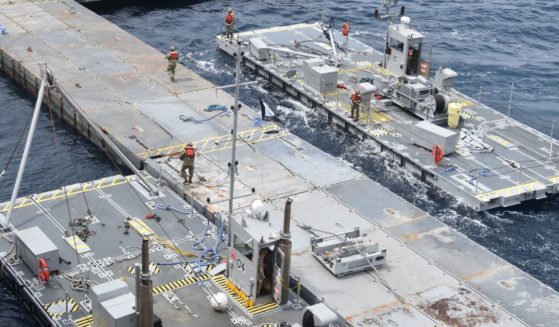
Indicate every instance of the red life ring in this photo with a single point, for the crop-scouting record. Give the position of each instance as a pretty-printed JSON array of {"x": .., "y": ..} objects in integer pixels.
[
  {"x": 44, "y": 273},
  {"x": 438, "y": 153},
  {"x": 345, "y": 29}
]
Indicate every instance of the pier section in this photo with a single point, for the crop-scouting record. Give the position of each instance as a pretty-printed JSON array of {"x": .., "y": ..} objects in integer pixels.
[
  {"x": 497, "y": 162},
  {"x": 120, "y": 83}
]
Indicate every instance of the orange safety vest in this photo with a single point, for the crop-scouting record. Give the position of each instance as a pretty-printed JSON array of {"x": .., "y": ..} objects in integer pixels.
[
  {"x": 229, "y": 18},
  {"x": 355, "y": 98},
  {"x": 174, "y": 55},
  {"x": 190, "y": 152},
  {"x": 345, "y": 29}
]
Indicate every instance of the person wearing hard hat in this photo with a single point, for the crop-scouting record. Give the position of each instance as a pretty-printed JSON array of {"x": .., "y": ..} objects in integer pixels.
[
  {"x": 172, "y": 57},
  {"x": 229, "y": 23},
  {"x": 187, "y": 158},
  {"x": 355, "y": 104}
]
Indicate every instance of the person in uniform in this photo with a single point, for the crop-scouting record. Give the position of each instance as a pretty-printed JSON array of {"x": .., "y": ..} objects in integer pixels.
[
  {"x": 187, "y": 158},
  {"x": 229, "y": 23},
  {"x": 261, "y": 271},
  {"x": 355, "y": 104},
  {"x": 172, "y": 57}
]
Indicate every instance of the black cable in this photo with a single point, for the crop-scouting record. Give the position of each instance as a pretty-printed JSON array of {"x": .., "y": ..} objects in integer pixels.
[
  {"x": 62, "y": 175},
  {"x": 72, "y": 162},
  {"x": 18, "y": 142}
]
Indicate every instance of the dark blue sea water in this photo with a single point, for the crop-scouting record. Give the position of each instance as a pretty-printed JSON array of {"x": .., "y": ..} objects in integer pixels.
[{"x": 490, "y": 43}]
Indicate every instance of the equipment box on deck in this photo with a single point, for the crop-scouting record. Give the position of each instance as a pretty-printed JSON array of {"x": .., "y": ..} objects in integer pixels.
[
  {"x": 426, "y": 135},
  {"x": 32, "y": 244}
]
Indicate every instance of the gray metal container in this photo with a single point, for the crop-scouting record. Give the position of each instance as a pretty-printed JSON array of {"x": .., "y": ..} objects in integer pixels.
[
  {"x": 32, "y": 244},
  {"x": 426, "y": 134}
]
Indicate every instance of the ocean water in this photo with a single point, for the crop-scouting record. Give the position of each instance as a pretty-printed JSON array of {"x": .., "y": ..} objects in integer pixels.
[{"x": 491, "y": 44}]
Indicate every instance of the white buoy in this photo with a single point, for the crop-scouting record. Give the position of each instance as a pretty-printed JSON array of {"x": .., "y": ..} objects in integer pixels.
[
  {"x": 219, "y": 302},
  {"x": 405, "y": 20},
  {"x": 258, "y": 210}
]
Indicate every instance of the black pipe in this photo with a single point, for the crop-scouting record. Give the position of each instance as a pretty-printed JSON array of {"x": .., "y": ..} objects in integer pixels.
[
  {"x": 287, "y": 217},
  {"x": 285, "y": 247}
]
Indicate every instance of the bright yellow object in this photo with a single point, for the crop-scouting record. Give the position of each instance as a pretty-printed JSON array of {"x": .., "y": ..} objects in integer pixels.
[{"x": 454, "y": 111}]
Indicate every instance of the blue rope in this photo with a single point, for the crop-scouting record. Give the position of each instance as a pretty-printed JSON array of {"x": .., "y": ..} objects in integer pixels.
[
  {"x": 216, "y": 107},
  {"x": 481, "y": 173},
  {"x": 210, "y": 255},
  {"x": 448, "y": 171}
]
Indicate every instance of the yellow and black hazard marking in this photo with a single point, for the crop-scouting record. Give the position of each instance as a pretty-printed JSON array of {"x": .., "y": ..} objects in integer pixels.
[
  {"x": 70, "y": 191},
  {"x": 173, "y": 285},
  {"x": 380, "y": 131},
  {"x": 252, "y": 310},
  {"x": 360, "y": 67},
  {"x": 223, "y": 142},
  {"x": 153, "y": 269},
  {"x": 178, "y": 284},
  {"x": 383, "y": 131},
  {"x": 86, "y": 321},
  {"x": 57, "y": 309},
  {"x": 363, "y": 66},
  {"x": 375, "y": 116},
  {"x": 273, "y": 324},
  {"x": 262, "y": 308}
]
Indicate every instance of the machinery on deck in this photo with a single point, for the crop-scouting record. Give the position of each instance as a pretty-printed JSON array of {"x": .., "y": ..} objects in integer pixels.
[
  {"x": 347, "y": 252},
  {"x": 408, "y": 85}
]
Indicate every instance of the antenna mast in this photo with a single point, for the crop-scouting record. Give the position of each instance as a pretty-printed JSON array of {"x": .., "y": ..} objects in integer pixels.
[
  {"x": 233, "y": 164},
  {"x": 387, "y": 4}
]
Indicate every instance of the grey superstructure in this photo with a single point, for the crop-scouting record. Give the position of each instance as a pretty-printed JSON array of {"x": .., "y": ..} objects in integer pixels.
[
  {"x": 490, "y": 159},
  {"x": 427, "y": 273}
]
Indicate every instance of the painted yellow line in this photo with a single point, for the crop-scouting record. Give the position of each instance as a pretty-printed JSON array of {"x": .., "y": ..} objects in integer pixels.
[
  {"x": 500, "y": 140},
  {"x": 59, "y": 194},
  {"x": 511, "y": 191},
  {"x": 221, "y": 142},
  {"x": 141, "y": 227},
  {"x": 77, "y": 244}
]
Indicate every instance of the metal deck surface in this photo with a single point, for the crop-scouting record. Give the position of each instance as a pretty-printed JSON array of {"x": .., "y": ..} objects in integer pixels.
[
  {"x": 180, "y": 295},
  {"x": 122, "y": 85},
  {"x": 522, "y": 166}
]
